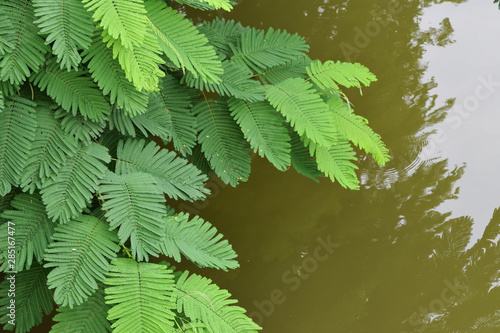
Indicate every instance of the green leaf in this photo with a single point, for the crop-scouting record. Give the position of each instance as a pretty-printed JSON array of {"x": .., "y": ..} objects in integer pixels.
[
  {"x": 17, "y": 129},
  {"x": 80, "y": 252},
  {"x": 209, "y": 4},
  {"x": 111, "y": 78},
  {"x": 199, "y": 241},
  {"x": 73, "y": 91},
  {"x": 303, "y": 109},
  {"x": 33, "y": 230},
  {"x": 356, "y": 129},
  {"x": 77, "y": 127},
  {"x": 88, "y": 317},
  {"x": 68, "y": 25},
  {"x": 135, "y": 203},
  {"x": 176, "y": 178},
  {"x": 260, "y": 50},
  {"x": 202, "y": 300},
  {"x": 302, "y": 161},
  {"x": 33, "y": 299},
  {"x": 336, "y": 163},
  {"x": 182, "y": 42},
  {"x": 237, "y": 81},
  {"x": 140, "y": 295},
  {"x": 6, "y": 29},
  {"x": 263, "y": 127},
  {"x": 222, "y": 141},
  {"x": 170, "y": 108},
  {"x": 122, "y": 19},
  {"x": 140, "y": 64},
  {"x": 66, "y": 194},
  {"x": 292, "y": 69},
  {"x": 49, "y": 151},
  {"x": 221, "y": 33},
  {"x": 330, "y": 74},
  {"x": 26, "y": 49}
]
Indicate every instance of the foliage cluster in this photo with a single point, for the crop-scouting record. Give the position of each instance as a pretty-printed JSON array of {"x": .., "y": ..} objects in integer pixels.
[{"x": 85, "y": 87}]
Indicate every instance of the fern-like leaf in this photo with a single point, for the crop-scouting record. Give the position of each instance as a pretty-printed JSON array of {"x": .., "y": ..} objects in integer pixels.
[
  {"x": 293, "y": 69},
  {"x": 135, "y": 203},
  {"x": 182, "y": 42},
  {"x": 331, "y": 74},
  {"x": 17, "y": 132},
  {"x": 355, "y": 128},
  {"x": 263, "y": 127},
  {"x": 236, "y": 81},
  {"x": 33, "y": 299},
  {"x": 222, "y": 141},
  {"x": 73, "y": 91},
  {"x": 176, "y": 178},
  {"x": 80, "y": 252},
  {"x": 337, "y": 163},
  {"x": 50, "y": 149},
  {"x": 66, "y": 194},
  {"x": 68, "y": 25},
  {"x": 201, "y": 300},
  {"x": 26, "y": 48},
  {"x": 302, "y": 161},
  {"x": 140, "y": 64},
  {"x": 6, "y": 29},
  {"x": 5, "y": 204},
  {"x": 122, "y": 19},
  {"x": 140, "y": 296},
  {"x": 78, "y": 128},
  {"x": 221, "y": 33},
  {"x": 260, "y": 50},
  {"x": 111, "y": 78},
  {"x": 303, "y": 109},
  {"x": 170, "y": 108},
  {"x": 209, "y": 4},
  {"x": 33, "y": 231},
  {"x": 88, "y": 317},
  {"x": 199, "y": 241}
]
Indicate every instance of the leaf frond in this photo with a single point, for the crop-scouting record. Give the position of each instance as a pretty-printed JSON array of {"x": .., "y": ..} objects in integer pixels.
[
  {"x": 331, "y": 74},
  {"x": 49, "y": 151},
  {"x": 356, "y": 129},
  {"x": 33, "y": 230},
  {"x": 140, "y": 296},
  {"x": 26, "y": 50},
  {"x": 90, "y": 316},
  {"x": 73, "y": 91},
  {"x": 33, "y": 299},
  {"x": 176, "y": 178},
  {"x": 70, "y": 190},
  {"x": 263, "y": 128},
  {"x": 260, "y": 50},
  {"x": 17, "y": 129},
  {"x": 111, "y": 78},
  {"x": 134, "y": 203},
  {"x": 199, "y": 241},
  {"x": 222, "y": 141},
  {"x": 80, "y": 253},
  {"x": 183, "y": 44},
  {"x": 201, "y": 300},
  {"x": 303, "y": 109},
  {"x": 68, "y": 25}
]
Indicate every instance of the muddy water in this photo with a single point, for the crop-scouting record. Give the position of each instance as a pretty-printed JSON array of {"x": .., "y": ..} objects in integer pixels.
[{"x": 399, "y": 254}]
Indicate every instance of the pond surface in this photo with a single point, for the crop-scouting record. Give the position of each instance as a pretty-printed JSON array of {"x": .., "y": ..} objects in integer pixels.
[{"x": 406, "y": 253}]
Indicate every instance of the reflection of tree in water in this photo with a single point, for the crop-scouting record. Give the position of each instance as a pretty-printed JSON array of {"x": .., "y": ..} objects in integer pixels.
[{"x": 478, "y": 308}]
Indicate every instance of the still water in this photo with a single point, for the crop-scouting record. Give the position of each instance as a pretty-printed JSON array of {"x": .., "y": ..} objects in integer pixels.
[{"x": 414, "y": 250}]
